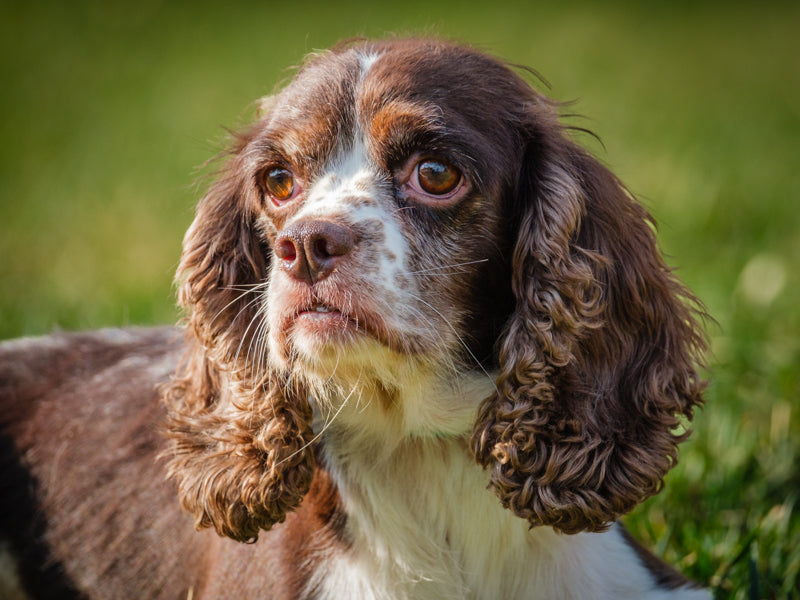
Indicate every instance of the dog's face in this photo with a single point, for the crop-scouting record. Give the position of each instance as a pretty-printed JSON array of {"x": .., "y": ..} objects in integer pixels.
[
  {"x": 380, "y": 192},
  {"x": 411, "y": 215}
]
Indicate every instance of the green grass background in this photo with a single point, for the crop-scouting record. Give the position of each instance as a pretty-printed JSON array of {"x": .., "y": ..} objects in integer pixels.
[{"x": 107, "y": 111}]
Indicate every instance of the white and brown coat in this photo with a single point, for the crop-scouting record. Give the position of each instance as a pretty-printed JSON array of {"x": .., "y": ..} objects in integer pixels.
[{"x": 406, "y": 285}]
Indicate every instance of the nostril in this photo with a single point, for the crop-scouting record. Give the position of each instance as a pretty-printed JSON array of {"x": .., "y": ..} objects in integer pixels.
[
  {"x": 328, "y": 241},
  {"x": 286, "y": 250},
  {"x": 320, "y": 247},
  {"x": 311, "y": 250}
]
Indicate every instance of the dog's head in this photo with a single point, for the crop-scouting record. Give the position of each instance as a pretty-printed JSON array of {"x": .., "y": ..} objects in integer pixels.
[{"x": 410, "y": 214}]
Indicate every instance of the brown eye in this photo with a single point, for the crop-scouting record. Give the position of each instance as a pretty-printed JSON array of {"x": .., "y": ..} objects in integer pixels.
[
  {"x": 437, "y": 178},
  {"x": 279, "y": 183}
]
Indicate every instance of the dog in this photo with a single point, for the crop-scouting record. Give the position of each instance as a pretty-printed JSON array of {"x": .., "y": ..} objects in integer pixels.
[{"x": 431, "y": 350}]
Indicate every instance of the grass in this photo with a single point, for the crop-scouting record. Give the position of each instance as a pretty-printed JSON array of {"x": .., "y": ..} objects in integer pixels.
[{"x": 107, "y": 111}]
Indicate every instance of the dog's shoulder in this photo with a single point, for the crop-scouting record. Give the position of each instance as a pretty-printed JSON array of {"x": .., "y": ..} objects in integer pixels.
[{"x": 80, "y": 431}]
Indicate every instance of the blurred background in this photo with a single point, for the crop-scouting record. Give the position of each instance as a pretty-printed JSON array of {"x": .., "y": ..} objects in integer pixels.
[{"x": 108, "y": 112}]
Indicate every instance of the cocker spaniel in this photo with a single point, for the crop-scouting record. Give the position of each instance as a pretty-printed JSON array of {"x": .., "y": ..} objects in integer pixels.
[{"x": 431, "y": 351}]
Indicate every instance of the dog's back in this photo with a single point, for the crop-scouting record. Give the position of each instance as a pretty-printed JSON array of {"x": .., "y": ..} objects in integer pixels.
[{"x": 79, "y": 416}]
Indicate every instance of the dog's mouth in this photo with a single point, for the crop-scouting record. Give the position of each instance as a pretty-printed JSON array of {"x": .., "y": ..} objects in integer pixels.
[
  {"x": 318, "y": 309},
  {"x": 318, "y": 317},
  {"x": 330, "y": 318},
  {"x": 328, "y": 322}
]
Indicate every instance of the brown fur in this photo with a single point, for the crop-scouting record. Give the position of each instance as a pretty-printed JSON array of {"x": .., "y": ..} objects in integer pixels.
[
  {"x": 241, "y": 462},
  {"x": 84, "y": 502},
  {"x": 597, "y": 360},
  {"x": 560, "y": 288}
]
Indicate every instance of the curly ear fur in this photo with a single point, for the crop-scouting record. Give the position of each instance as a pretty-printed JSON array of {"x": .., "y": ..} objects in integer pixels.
[
  {"x": 597, "y": 363},
  {"x": 239, "y": 434}
]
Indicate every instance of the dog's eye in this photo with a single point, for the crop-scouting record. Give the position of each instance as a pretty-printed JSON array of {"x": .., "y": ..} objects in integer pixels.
[
  {"x": 437, "y": 178},
  {"x": 279, "y": 183}
]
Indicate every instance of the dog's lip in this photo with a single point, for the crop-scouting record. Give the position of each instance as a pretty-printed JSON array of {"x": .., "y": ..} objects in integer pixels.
[
  {"x": 317, "y": 308},
  {"x": 316, "y": 312},
  {"x": 321, "y": 311}
]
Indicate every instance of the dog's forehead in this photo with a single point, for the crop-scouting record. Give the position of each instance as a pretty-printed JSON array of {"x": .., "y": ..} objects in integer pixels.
[
  {"x": 451, "y": 77},
  {"x": 337, "y": 84},
  {"x": 339, "y": 92},
  {"x": 392, "y": 101}
]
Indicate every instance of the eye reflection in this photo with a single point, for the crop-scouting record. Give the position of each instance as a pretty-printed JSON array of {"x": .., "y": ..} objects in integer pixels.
[
  {"x": 436, "y": 177},
  {"x": 279, "y": 183}
]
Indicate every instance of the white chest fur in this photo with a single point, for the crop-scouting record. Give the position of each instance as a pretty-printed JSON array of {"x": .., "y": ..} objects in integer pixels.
[{"x": 424, "y": 526}]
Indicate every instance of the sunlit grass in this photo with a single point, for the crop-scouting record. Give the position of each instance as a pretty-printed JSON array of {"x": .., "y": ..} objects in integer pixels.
[{"x": 106, "y": 113}]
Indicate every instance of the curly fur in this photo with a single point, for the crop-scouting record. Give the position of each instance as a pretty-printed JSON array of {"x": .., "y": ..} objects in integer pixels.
[
  {"x": 522, "y": 331},
  {"x": 597, "y": 359},
  {"x": 240, "y": 434}
]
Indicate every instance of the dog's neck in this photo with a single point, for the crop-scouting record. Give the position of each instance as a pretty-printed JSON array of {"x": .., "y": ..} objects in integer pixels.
[
  {"x": 419, "y": 515},
  {"x": 396, "y": 400},
  {"x": 420, "y": 521}
]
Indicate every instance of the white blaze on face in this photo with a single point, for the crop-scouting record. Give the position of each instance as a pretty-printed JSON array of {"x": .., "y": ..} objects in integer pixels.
[
  {"x": 375, "y": 282},
  {"x": 351, "y": 191},
  {"x": 367, "y": 60}
]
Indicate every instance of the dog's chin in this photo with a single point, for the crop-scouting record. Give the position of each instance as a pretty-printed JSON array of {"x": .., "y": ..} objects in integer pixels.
[
  {"x": 328, "y": 343},
  {"x": 316, "y": 337},
  {"x": 331, "y": 347},
  {"x": 321, "y": 329}
]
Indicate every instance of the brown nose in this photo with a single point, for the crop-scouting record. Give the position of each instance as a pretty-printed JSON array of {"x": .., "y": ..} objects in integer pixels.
[{"x": 311, "y": 250}]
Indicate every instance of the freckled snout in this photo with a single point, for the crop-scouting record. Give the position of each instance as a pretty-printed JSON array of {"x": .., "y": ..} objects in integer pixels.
[{"x": 311, "y": 250}]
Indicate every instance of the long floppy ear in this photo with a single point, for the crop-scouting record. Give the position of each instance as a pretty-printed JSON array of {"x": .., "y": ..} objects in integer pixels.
[
  {"x": 239, "y": 434},
  {"x": 598, "y": 360}
]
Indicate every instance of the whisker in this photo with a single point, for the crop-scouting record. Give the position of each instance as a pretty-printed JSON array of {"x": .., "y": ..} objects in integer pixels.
[
  {"x": 236, "y": 299},
  {"x": 258, "y": 346},
  {"x": 246, "y": 286},
  {"x": 324, "y": 427},
  {"x": 446, "y": 361},
  {"x": 460, "y": 339},
  {"x": 256, "y": 317},
  {"x": 464, "y": 264}
]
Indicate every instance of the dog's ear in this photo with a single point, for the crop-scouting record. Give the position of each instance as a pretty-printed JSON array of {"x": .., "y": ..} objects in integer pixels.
[
  {"x": 598, "y": 360},
  {"x": 239, "y": 434}
]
